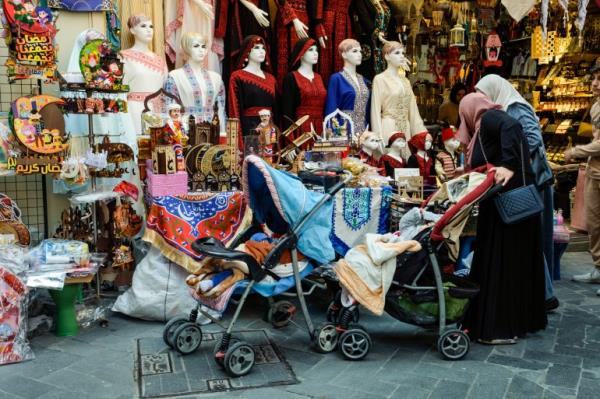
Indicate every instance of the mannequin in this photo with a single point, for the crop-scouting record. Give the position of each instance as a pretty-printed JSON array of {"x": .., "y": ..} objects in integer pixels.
[
  {"x": 236, "y": 20},
  {"x": 348, "y": 91},
  {"x": 144, "y": 71},
  {"x": 393, "y": 159},
  {"x": 304, "y": 90},
  {"x": 153, "y": 10},
  {"x": 370, "y": 150},
  {"x": 250, "y": 88},
  {"x": 394, "y": 107},
  {"x": 192, "y": 16},
  {"x": 198, "y": 88},
  {"x": 420, "y": 146},
  {"x": 333, "y": 27},
  {"x": 446, "y": 161}
]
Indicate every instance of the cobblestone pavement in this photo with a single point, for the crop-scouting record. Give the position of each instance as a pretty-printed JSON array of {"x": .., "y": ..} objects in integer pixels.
[{"x": 561, "y": 362}]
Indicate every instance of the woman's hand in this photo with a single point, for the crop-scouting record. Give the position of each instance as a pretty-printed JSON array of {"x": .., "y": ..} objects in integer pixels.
[
  {"x": 262, "y": 17},
  {"x": 301, "y": 29},
  {"x": 502, "y": 175},
  {"x": 205, "y": 8}
]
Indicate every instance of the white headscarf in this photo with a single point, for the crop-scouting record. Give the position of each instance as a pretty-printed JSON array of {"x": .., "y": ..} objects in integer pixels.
[
  {"x": 500, "y": 91},
  {"x": 73, "y": 73}
]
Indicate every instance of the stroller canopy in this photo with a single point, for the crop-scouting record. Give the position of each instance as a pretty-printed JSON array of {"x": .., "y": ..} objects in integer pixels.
[{"x": 280, "y": 200}]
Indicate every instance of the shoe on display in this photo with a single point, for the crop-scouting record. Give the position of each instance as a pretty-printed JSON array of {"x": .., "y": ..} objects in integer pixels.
[
  {"x": 591, "y": 277},
  {"x": 552, "y": 304}
]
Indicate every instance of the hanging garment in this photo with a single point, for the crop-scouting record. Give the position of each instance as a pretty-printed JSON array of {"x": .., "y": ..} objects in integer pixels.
[
  {"x": 337, "y": 26},
  {"x": 369, "y": 19}
]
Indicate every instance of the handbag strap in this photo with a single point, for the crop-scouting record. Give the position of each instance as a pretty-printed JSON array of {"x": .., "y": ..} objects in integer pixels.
[{"x": 478, "y": 138}]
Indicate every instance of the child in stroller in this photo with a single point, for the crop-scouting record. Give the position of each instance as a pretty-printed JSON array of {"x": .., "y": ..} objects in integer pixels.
[
  {"x": 419, "y": 293},
  {"x": 301, "y": 219}
]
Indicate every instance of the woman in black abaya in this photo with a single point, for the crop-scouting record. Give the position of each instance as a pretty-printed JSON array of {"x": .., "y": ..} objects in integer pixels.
[{"x": 508, "y": 259}]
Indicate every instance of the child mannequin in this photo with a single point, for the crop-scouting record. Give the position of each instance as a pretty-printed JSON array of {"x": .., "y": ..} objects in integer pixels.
[
  {"x": 446, "y": 161},
  {"x": 370, "y": 149},
  {"x": 393, "y": 159},
  {"x": 420, "y": 145}
]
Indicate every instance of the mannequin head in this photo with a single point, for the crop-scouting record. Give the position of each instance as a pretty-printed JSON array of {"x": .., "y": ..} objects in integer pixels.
[
  {"x": 397, "y": 142},
  {"x": 420, "y": 142},
  {"x": 254, "y": 50},
  {"x": 141, "y": 28},
  {"x": 351, "y": 52},
  {"x": 369, "y": 142},
  {"x": 451, "y": 142},
  {"x": 394, "y": 54},
  {"x": 194, "y": 46},
  {"x": 305, "y": 52}
]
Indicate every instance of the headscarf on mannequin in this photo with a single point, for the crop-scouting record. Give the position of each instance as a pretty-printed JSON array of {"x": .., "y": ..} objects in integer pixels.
[
  {"x": 417, "y": 142},
  {"x": 471, "y": 110},
  {"x": 300, "y": 48},
  {"x": 247, "y": 46}
]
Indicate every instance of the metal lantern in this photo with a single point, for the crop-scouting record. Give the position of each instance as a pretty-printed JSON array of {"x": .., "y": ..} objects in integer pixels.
[
  {"x": 457, "y": 36},
  {"x": 493, "y": 45},
  {"x": 437, "y": 16}
]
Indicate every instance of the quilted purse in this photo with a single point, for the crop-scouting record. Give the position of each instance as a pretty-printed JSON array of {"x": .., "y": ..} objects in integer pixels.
[{"x": 520, "y": 203}]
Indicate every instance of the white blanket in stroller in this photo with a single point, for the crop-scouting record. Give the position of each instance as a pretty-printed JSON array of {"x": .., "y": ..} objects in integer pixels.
[{"x": 367, "y": 270}]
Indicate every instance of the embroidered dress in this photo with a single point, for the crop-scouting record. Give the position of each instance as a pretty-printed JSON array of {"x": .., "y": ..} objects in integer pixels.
[
  {"x": 286, "y": 36},
  {"x": 343, "y": 94},
  {"x": 394, "y": 108},
  {"x": 248, "y": 94},
  {"x": 303, "y": 97},
  {"x": 336, "y": 24},
  {"x": 371, "y": 17},
  {"x": 145, "y": 73},
  {"x": 390, "y": 163},
  {"x": 370, "y": 160},
  {"x": 185, "y": 16},
  {"x": 233, "y": 23},
  {"x": 199, "y": 94},
  {"x": 425, "y": 166}
]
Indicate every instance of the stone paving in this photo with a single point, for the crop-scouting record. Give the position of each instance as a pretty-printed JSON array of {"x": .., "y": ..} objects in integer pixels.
[{"x": 561, "y": 362}]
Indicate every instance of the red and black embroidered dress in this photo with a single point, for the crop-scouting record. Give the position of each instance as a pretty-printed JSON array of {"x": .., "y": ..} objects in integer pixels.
[
  {"x": 233, "y": 22},
  {"x": 248, "y": 94},
  {"x": 303, "y": 97},
  {"x": 390, "y": 163},
  {"x": 426, "y": 167},
  {"x": 372, "y": 161},
  {"x": 337, "y": 26}
]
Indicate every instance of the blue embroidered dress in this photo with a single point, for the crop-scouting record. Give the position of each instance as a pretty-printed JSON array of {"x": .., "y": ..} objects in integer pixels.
[{"x": 343, "y": 94}]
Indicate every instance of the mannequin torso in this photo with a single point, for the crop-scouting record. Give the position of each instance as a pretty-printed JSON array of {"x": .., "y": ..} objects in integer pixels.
[{"x": 392, "y": 160}]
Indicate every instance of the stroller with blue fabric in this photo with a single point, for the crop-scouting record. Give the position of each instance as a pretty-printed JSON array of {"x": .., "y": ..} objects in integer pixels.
[{"x": 302, "y": 220}]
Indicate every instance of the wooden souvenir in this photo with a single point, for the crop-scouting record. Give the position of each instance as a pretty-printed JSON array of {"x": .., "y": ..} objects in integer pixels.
[{"x": 164, "y": 161}]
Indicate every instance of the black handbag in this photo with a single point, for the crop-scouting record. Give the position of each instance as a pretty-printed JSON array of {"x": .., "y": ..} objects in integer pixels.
[{"x": 520, "y": 203}]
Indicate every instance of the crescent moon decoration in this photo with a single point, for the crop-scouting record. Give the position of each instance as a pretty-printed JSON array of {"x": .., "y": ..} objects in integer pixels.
[{"x": 38, "y": 124}]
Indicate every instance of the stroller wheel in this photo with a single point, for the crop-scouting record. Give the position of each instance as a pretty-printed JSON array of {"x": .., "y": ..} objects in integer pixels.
[
  {"x": 239, "y": 359},
  {"x": 187, "y": 338},
  {"x": 453, "y": 344},
  {"x": 220, "y": 358},
  {"x": 335, "y": 307},
  {"x": 326, "y": 338},
  {"x": 281, "y": 313},
  {"x": 355, "y": 343},
  {"x": 170, "y": 327}
]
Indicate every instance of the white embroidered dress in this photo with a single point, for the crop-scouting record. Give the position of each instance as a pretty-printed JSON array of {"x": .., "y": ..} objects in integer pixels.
[
  {"x": 145, "y": 73},
  {"x": 199, "y": 91}
]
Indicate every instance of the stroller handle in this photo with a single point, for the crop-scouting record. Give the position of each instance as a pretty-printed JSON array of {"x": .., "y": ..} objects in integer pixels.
[{"x": 341, "y": 184}]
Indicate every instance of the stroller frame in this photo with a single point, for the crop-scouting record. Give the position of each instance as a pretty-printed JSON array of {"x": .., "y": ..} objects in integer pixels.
[{"x": 237, "y": 357}]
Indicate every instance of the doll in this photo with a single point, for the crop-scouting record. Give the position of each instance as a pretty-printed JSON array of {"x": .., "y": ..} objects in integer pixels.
[{"x": 268, "y": 135}]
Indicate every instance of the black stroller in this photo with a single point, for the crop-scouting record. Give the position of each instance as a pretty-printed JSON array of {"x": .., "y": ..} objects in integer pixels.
[{"x": 282, "y": 203}]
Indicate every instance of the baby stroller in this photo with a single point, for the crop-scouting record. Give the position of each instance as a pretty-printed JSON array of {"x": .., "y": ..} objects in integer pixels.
[
  {"x": 420, "y": 294},
  {"x": 302, "y": 219}
]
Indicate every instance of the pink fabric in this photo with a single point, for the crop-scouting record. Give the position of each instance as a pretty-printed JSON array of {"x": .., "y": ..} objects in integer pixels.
[{"x": 471, "y": 109}]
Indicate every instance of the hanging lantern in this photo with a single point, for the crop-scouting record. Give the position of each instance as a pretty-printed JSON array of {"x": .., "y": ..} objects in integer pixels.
[
  {"x": 492, "y": 50},
  {"x": 438, "y": 16},
  {"x": 473, "y": 25},
  {"x": 457, "y": 36}
]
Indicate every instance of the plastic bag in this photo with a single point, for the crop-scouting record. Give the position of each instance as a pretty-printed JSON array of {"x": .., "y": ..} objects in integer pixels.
[
  {"x": 14, "y": 346},
  {"x": 158, "y": 290}
]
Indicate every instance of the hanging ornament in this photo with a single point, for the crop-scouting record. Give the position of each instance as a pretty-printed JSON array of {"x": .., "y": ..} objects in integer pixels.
[
  {"x": 457, "y": 36},
  {"x": 492, "y": 50},
  {"x": 438, "y": 16}
]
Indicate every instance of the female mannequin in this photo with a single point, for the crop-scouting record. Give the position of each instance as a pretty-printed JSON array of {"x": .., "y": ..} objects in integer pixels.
[
  {"x": 420, "y": 145},
  {"x": 236, "y": 20},
  {"x": 446, "y": 162},
  {"x": 304, "y": 91},
  {"x": 348, "y": 91},
  {"x": 144, "y": 71},
  {"x": 393, "y": 159},
  {"x": 198, "y": 88},
  {"x": 370, "y": 149},
  {"x": 250, "y": 88},
  {"x": 192, "y": 16},
  {"x": 394, "y": 107}
]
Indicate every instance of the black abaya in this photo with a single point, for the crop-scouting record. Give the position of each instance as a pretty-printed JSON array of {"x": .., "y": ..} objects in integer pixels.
[{"x": 508, "y": 259}]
